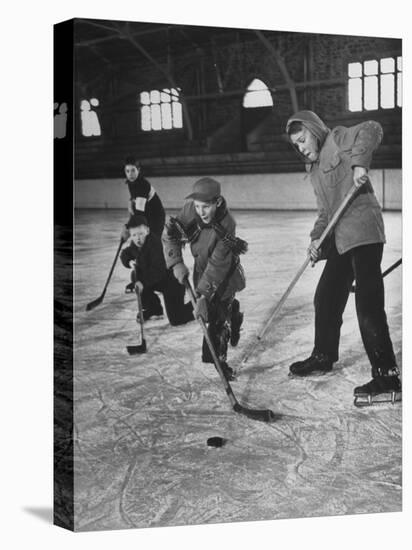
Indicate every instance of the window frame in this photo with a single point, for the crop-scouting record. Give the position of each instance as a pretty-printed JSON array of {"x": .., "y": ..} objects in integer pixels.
[
  {"x": 371, "y": 56},
  {"x": 160, "y": 91}
]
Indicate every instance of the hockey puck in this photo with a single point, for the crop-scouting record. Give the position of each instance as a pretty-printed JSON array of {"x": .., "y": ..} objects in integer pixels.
[{"x": 216, "y": 441}]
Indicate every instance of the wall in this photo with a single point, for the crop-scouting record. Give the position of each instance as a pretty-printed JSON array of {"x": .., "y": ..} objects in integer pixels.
[{"x": 244, "y": 191}]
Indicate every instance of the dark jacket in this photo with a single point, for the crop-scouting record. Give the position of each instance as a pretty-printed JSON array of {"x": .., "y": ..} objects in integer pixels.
[
  {"x": 216, "y": 267},
  {"x": 146, "y": 201},
  {"x": 332, "y": 176},
  {"x": 151, "y": 265}
]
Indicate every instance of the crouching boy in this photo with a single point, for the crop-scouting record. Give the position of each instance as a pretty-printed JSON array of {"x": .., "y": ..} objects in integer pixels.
[
  {"x": 144, "y": 255},
  {"x": 206, "y": 223}
]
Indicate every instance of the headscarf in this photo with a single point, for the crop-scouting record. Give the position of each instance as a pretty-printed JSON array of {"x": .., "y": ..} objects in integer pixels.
[{"x": 311, "y": 122}]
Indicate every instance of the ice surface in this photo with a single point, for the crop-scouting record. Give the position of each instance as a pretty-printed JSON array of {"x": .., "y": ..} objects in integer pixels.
[{"x": 142, "y": 422}]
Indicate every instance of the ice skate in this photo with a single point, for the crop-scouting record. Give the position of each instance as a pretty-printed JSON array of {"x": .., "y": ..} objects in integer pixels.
[
  {"x": 317, "y": 363},
  {"x": 235, "y": 323},
  {"x": 381, "y": 389}
]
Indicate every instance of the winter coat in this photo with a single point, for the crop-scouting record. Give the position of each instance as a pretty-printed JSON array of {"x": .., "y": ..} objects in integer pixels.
[
  {"x": 146, "y": 201},
  {"x": 216, "y": 268},
  {"x": 332, "y": 176},
  {"x": 151, "y": 265}
]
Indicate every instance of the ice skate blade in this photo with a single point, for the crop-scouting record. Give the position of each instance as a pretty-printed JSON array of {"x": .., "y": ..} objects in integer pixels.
[{"x": 367, "y": 400}]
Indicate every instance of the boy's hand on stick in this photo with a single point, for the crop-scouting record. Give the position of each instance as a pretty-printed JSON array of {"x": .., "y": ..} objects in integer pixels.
[
  {"x": 139, "y": 285},
  {"x": 200, "y": 309},
  {"x": 181, "y": 272},
  {"x": 314, "y": 251},
  {"x": 360, "y": 175}
]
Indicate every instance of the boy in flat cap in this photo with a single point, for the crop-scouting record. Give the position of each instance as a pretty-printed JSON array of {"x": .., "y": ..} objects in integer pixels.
[
  {"x": 206, "y": 223},
  {"x": 144, "y": 255}
]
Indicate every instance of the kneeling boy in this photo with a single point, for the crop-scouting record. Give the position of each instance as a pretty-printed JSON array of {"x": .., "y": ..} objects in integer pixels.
[{"x": 144, "y": 255}]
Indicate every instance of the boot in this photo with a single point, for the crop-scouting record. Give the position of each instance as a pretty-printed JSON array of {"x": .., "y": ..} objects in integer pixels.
[
  {"x": 316, "y": 363},
  {"x": 236, "y": 321},
  {"x": 153, "y": 312}
]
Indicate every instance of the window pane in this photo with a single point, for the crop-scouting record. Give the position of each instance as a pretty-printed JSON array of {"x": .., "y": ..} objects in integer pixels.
[
  {"x": 371, "y": 93},
  {"x": 177, "y": 115},
  {"x": 257, "y": 84},
  {"x": 354, "y": 70},
  {"x": 156, "y": 117},
  {"x": 84, "y": 105},
  {"x": 387, "y": 91},
  {"x": 94, "y": 124},
  {"x": 370, "y": 67},
  {"x": 175, "y": 94},
  {"x": 94, "y": 102},
  {"x": 261, "y": 98},
  {"x": 399, "y": 93},
  {"x": 388, "y": 65},
  {"x": 257, "y": 95},
  {"x": 155, "y": 96},
  {"x": 86, "y": 130},
  {"x": 355, "y": 94},
  {"x": 145, "y": 114},
  {"x": 145, "y": 98},
  {"x": 166, "y": 116},
  {"x": 165, "y": 96},
  {"x": 399, "y": 63}
]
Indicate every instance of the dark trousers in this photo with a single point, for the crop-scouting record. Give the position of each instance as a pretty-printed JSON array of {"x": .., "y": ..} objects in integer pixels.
[
  {"x": 150, "y": 300},
  {"x": 173, "y": 292},
  {"x": 362, "y": 264},
  {"x": 219, "y": 314}
]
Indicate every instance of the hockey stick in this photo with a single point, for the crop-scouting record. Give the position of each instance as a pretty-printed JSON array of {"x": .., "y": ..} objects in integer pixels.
[
  {"x": 265, "y": 415},
  {"x": 386, "y": 272},
  {"x": 99, "y": 300},
  {"x": 334, "y": 220},
  {"x": 141, "y": 348}
]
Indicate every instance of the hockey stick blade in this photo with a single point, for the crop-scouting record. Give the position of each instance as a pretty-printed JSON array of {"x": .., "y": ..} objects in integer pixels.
[
  {"x": 99, "y": 300},
  {"x": 135, "y": 350},
  {"x": 264, "y": 415},
  {"x": 95, "y": 303}
]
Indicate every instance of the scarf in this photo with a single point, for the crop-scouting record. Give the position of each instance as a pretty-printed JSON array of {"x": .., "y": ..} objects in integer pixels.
[{"x": 192, "y": 232}]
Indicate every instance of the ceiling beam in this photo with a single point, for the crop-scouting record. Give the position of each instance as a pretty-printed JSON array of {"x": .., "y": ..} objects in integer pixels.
[{"x": 282, "y": 66}]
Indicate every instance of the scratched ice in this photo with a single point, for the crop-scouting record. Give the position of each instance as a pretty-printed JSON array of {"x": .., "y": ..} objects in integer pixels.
[{"x": 141, "y": 422}]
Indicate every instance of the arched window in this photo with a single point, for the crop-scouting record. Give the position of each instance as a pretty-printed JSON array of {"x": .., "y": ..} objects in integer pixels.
[
  {"x": 90, "y": 121},
  {"x": 160, "y": 109},
  {"x": 257, "y": 95},
  {"x": 60, "y": 120}
]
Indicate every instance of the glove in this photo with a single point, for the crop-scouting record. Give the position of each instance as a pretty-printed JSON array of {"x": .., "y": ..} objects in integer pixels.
[
  {"x": 139, "y": 285},
  {"x": 133, "y": 264},
  {"x": 200, "y": 309},
  {"x": 124, "y": 234},
  {"x": 181, "y": 272}
]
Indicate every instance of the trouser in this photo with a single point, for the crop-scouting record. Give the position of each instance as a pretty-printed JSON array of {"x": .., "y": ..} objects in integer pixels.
[
  {"x": 173, "y": 292},
  {"x": 218, "y": 326},
  {"x": 361, "y": 264}
]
